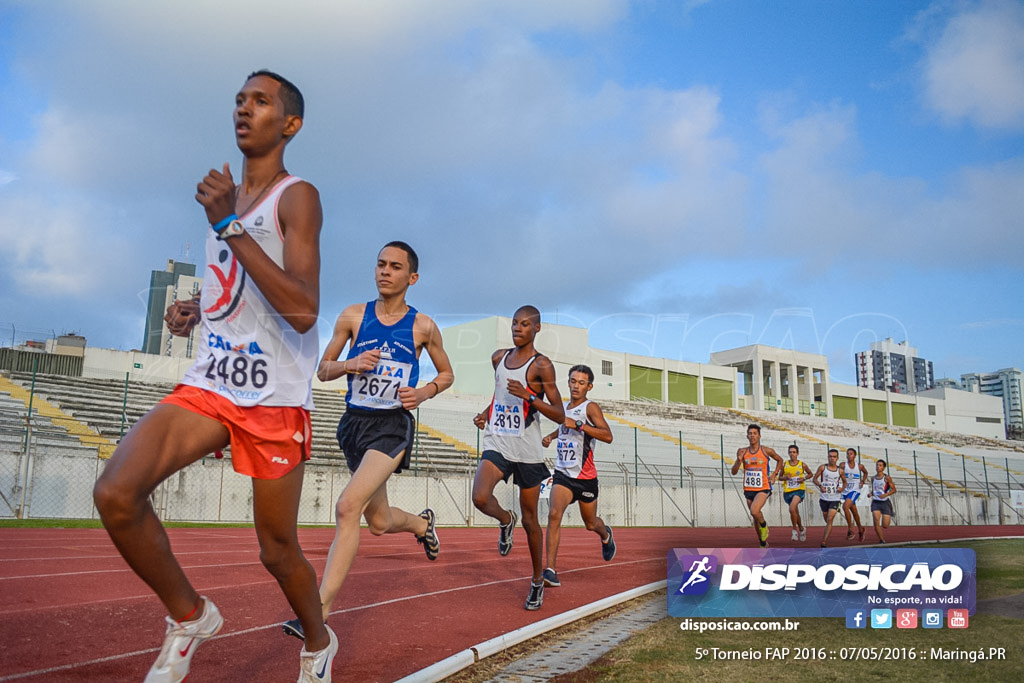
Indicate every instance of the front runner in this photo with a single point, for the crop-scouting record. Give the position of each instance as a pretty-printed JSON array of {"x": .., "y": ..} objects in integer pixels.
[
  {"x": 385, "y": 338},
  {"x": 830, "y": 481},
  {"x": 794, "y": 473},
  {"x": 856, "y": 476},
  {"x": 757, "y": 483},
  {"x": 524, "y": 385},
  {"x": 250, "y": 385},
  {"x": 882, "y": 489},
  {"x": 575, "y": 474}
]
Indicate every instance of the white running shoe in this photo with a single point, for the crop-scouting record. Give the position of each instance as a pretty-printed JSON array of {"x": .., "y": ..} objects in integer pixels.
[
  {"x": 795, "y": 535},
  {"x": 180, "y": 644},
  {"x": 315, "y": 667},
  {"x": 803, "y": 534}
]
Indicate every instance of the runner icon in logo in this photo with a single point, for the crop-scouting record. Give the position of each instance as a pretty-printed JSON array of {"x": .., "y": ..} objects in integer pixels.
[{"x": 700, "y": 566}]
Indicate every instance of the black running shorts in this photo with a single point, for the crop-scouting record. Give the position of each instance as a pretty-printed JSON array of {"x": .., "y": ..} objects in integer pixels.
[
  {"x": 525, "y": 475},
  {"x": 387, "y": 431},
  {"x": 883, "y": 506},
  {"x": 751, "y": 495},
  {"x": 583, "y": 490},
  {"x": 827, "y": 505}
]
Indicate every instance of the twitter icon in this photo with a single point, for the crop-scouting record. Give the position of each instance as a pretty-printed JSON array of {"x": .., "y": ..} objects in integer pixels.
[{"x": 881, "y": 618}]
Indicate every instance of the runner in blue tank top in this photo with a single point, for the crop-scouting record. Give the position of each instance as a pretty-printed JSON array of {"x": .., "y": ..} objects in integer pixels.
[
  {"x": 856, "y": 476},
  {"x": 385, "y": 338}
]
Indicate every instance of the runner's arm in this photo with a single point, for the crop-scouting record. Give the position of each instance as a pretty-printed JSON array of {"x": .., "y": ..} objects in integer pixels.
[
  {"x": 738, "y": 461},
  {"x": 426, "y": 330},
  {"x": 294, "y": 290},
  {"x": 598, "y": 429},
  {"x": 543, "y": 377},
  {"x": 345, "y": 330},
  {"x": 774, "y": 476},
  {"x": 892, "y": 486},
  {"x": 480, "y": 419}
]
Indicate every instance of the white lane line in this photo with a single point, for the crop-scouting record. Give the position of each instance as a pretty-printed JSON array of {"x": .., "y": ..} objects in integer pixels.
[{"x": 254, "y": 629}]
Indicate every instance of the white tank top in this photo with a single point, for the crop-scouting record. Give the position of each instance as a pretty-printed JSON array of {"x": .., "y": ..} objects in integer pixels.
[
  {"x": 878, "y": 488},
  {"x": 513, "y": 425},
  {"x": 830, "y": 482},
  {"x": 247, "y": 352},
  {"x": 852, "y": 476},
  {"x": 576, "y": 449}
]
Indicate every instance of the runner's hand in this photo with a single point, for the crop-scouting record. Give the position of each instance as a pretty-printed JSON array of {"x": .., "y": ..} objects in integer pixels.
[
  {"x": 480, "y": 420},
  {"x": 516, "y": 388},
  {"x": 216, "y": 193},
  {"x": 546, "y": 441},
  {"x": 364, "y": 362},
  {"x": 410, "y": 397},
  {"x": 182, "y": 316}
]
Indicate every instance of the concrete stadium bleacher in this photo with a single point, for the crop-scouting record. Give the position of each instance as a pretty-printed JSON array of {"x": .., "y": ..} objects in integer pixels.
[
  {"x": 104, "y": 406},
  {"x": 941, "y": 461},
  {"x": 661, "y": 437}
]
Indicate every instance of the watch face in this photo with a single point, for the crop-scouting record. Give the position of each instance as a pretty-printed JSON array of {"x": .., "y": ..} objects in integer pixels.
[{"x": 234, "y": 228}]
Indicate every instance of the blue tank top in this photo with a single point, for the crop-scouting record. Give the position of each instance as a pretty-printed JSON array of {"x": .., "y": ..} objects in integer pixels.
[{"x": 398, "y": 367}]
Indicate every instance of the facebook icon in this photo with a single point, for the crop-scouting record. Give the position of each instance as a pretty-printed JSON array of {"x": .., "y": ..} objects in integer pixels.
[{"x": 856, "y": 618}]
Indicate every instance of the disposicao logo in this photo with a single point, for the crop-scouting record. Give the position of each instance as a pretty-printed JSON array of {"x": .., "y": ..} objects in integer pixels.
[{"x": 747, "y": 582}]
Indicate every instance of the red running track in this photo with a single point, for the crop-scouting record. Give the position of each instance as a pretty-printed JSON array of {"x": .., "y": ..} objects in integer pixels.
[{"x": 71, "y": 610}]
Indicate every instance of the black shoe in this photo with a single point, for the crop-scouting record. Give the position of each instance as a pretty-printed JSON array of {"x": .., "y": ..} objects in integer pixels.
[
  {"x": 293, "y": 628},
  {"x": 536, "y": 597},
  {"x": 550, "y": 577},
  {"x": 608, "y": 547},
  {"x": 505, "y": 539},
  {"x": 431, "y": 544}
]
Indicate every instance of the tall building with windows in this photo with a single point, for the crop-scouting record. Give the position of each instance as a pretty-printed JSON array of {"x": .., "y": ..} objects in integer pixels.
[
  {"x": 1006, "y": 384},
  {"x": 177, "y": 281},
  {"x": 894, "y": 366}
]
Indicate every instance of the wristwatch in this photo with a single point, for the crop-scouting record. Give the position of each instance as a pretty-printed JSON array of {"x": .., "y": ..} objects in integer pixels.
[
  {"x": 579, "y": 424},
  {"x": 233, "y": 229}
]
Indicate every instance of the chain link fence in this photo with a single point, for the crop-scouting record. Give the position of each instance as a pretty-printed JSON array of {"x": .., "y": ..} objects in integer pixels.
[
  {"x": 656, "y": 472},
  {"x": 45, "y": 476}
]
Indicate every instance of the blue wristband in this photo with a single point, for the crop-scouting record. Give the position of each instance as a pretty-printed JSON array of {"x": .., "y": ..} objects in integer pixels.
[{"x": 223, "y": 224}]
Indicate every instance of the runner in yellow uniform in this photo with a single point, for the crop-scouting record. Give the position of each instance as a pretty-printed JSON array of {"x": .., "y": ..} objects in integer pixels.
[{"x": 794, "y": 473}]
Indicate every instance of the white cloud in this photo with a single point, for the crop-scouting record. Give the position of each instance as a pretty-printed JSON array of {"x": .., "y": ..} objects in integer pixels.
[
  {"x": 974, "y": 70},
  {"x": 58, "y": 251},
  {"x": 821, "y": 207}
]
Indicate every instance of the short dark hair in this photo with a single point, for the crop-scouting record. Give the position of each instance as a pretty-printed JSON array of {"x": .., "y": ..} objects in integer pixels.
[
  {"x": 833, "y": 450},
  {"x": 414, "y": 260},
  {"x": 585, "y": 370},
  {"x": 530, "y": 311},
  {"x": 794, "y": 447},
  {"x": 851, "y": 449},
  {"x": 883, "y": 463},
  {"x": 294, "y": 104},
  {"x": 757, "y": 427}
]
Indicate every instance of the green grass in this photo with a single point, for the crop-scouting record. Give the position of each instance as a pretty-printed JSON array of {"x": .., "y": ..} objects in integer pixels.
[{"x": 665, "y": 653}]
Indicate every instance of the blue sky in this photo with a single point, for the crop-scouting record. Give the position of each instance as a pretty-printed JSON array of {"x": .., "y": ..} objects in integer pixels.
[{"x": 678, "y": 177}]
